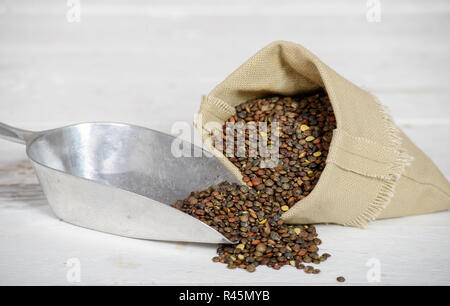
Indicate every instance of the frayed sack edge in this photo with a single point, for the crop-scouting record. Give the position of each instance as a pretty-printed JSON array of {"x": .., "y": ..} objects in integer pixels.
[{"x": 387, "y": 189}]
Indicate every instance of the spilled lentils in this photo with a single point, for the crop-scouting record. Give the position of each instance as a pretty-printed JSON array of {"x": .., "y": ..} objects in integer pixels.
[{"x": 251, "y": 213}]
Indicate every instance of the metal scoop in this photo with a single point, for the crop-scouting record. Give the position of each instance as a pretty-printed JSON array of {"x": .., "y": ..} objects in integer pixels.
[{"x": 120, "y": 178}]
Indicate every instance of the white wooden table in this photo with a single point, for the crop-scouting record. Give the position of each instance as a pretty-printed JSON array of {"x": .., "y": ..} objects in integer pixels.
[{"x": 147, "y": 63}]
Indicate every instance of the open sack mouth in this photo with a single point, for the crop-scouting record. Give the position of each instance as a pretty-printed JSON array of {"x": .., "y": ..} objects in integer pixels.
[{"x": 278, "y": 146}]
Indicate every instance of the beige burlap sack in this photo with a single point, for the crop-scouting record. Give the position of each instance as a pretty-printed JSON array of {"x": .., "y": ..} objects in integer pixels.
[{"x": 373, "y": 170}]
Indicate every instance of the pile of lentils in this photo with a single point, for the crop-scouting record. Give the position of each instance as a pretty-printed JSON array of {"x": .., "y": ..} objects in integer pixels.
[{"x": 251, "y": 214}]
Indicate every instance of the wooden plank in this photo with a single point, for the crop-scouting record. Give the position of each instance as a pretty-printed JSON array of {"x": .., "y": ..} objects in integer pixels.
[
  {"x": 171, "y": 8},
  {"x": 51, "y": 67},
  {"x": 37, "y": 246}
]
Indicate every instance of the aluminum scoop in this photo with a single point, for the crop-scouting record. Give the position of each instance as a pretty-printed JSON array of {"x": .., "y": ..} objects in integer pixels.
[{"x": 120, "y": 179}]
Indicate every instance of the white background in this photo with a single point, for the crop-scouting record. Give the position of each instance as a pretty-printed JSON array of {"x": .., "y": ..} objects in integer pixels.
[{"x": 148, "y": 62}]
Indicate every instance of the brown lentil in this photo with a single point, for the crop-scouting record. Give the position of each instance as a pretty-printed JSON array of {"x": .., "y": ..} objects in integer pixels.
[{"x": 340, "y": 279}]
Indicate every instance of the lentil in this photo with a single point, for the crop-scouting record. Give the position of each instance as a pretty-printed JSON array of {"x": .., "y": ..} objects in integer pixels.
[{"x": 340, "y": 279}]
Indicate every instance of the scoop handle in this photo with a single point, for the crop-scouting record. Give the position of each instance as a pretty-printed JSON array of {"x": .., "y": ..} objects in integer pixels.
[{"x": 14, "y": 134}]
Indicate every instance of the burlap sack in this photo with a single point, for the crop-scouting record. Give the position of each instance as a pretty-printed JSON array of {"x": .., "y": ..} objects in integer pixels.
[{"x": 373, "y": 170}]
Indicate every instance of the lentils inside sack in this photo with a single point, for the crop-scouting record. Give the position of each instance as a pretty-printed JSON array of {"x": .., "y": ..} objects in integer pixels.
[{"x": 252, "y": 214}]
